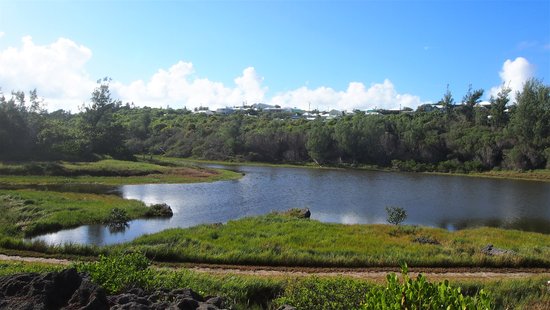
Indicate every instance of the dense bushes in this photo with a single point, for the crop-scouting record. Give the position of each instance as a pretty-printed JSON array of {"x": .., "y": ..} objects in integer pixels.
[
  {"x": 457, "y": 138},
  {"x": 420, "y": 294}
]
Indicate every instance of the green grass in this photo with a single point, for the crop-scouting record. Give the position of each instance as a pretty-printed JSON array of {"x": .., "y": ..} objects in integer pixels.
[
  {"x": 27, "y": 212},
  {"x": 8, "y": 268},
  {"x": 278, "y": 240}
]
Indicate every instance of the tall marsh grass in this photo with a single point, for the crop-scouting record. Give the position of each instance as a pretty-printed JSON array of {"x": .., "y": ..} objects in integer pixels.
[{"x": 278, "y": 240}]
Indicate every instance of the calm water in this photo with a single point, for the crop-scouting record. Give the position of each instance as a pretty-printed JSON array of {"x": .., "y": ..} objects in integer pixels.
[{"x": 341, "y": 196}]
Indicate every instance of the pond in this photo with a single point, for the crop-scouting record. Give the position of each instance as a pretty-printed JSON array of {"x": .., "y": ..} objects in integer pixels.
[{"x": 340, "y": 196}]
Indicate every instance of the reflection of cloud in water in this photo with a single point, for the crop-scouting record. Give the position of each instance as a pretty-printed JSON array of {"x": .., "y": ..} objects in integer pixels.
[
  {"x": 340, "y": 196},
  {"x": 347, "y": 218}
]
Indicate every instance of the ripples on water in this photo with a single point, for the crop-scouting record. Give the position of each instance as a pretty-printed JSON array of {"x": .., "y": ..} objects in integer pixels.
[{"x": 341, "y": 196}]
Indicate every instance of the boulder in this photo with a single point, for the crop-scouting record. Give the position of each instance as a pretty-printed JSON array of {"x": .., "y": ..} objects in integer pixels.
[
  {"x": 69, "y": 290},
  {"x": 159, "y": 210},
  {"x": 302, "y": 213},
  {"x": 492, "y": 251},
  {"x": 426, "y": 240}
]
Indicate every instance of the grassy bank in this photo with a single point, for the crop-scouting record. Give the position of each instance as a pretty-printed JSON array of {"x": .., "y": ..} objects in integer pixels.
[
  {"x": 281, "y": 240},
  {"x": 261, "y": 292},
  {"x": 530, "y": 175},
  {"x": 108, "y": 172},
  {"x": 27, "y": 212}
]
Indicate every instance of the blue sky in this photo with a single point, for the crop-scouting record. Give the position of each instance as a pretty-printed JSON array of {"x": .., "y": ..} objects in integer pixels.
[{"x": 330, "y": 54}]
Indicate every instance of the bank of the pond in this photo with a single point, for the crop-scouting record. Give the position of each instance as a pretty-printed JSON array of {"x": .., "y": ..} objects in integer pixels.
[
  {"x": 27, "y": 212},
  {"x": 542, "y": 175},
  {"x": 277, "y": 240},
  {"x": 108, "y": 172}
]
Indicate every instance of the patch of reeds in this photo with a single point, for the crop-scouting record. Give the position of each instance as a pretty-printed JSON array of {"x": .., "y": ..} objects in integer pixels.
[{"x": 285, "y": 241}]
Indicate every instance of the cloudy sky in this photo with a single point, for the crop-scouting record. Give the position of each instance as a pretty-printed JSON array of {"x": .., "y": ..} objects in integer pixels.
[{"x": 327, "y": 54}]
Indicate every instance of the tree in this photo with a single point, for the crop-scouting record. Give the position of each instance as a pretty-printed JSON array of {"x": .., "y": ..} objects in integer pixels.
[
  {"x": 530, "y": 126},
  {"x": 447, "y": 102},
  {"x": 470, "y": 100},
  {"x": 319, "y": 142},
  {"x": 499, "y": 118},
  {"x": 98, "y": 126},
  {"x": 395, "y": 215}
]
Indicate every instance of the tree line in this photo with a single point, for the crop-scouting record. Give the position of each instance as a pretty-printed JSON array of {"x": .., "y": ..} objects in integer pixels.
[{"x": 465, "y": 137}]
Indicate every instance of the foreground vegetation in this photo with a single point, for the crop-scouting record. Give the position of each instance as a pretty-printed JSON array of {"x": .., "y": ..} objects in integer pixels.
[
  {"x": 121, "y": 271},
  {"x": 286, "y": 241}
]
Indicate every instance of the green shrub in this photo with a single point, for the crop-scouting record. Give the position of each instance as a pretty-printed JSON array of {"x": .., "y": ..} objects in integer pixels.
[
  {"x": 324, "y": 293},
  {"x": 119, "y": 271},
  {"x": 421, "y": 294},
  {"x": 118, "y": 219},
  {"x": 395, "y": 215}
]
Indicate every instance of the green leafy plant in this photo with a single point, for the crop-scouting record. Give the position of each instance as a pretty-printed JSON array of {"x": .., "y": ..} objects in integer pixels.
[
  {"x": 395, "y": 215},
  {"x": 118, "y": 219},
  {"x": 119, "y": 271},
  {"x": 421, "y": 294},
  {"x": 324, "y": 293}
]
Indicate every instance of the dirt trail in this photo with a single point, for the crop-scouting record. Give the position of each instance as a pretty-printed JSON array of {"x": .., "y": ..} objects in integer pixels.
[
  {"x": 376, "y": 274},
  {"x": 379, "y": 274}
]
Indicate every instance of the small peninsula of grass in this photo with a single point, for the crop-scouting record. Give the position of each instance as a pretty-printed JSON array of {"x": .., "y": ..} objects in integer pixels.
[
  {"x": 108, "y": 172},
  {"x": 284, "y": 241},
  {"x": 27, "y": 213}
]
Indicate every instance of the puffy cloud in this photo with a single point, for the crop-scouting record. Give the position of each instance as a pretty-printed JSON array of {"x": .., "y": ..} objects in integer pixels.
[
  {"x": 178, "y": 86},
  {"x": 56, "y": 70},
  {"x": 356, "y": 96},
  {"x": 2, "y": 33},
  {"x": 514, "y": 74}
]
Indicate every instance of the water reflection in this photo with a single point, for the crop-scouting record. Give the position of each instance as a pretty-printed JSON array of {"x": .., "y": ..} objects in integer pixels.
[{"x": 340, "y": 196}]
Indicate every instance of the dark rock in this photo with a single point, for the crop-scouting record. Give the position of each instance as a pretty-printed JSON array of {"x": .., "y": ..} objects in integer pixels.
[
  {"x": 492, "y": 251},
  {"x": 286, "y": 307},
  {"x": 426, "y": 240},
  {"x": 130, "y": 306},
  {"x": 55, "y": 290},
  {"x": 303, "y": 213},
  {"x": 187, "y": 304},
  {"x": 159, "y": 210},
  {"x": 187, "y": 292},
  {"x": 69, "y": 290},
  {"x": 136, "y": 291},
  {"x": 205, "y": 306},
  {"x": 216, "y": 301},
  {"x": 88, "y": 296}
]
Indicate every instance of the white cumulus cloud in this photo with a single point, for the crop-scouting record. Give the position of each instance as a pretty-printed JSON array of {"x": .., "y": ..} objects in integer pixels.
[
  {"x": 58, "y": 72},
  {"x": 178, "y": 86},
  {"x": 356, "y": 96},
  {"x": 514, "y": 74},
  {"x": 2, "y": 33}
]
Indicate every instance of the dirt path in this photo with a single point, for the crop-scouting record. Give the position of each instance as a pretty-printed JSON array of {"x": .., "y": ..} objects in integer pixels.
[
  {"x": 379, "y": 274},
  {"x": 53, "y": 261},
  {"x": 375, "y": 274}
]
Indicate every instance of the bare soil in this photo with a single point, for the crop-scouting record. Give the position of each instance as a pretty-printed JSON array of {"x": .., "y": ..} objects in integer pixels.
[{"x": 193, "y": 172}]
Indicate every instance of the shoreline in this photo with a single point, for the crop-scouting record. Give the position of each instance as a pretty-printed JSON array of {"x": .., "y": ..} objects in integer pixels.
[{"x": 540, "y": 175}]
